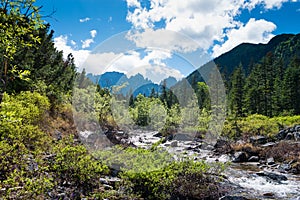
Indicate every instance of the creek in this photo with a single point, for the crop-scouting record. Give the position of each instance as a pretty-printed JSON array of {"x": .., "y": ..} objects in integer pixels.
[{"x": 249, "y": 180}]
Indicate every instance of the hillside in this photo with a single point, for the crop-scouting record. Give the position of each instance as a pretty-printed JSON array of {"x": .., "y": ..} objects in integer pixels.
[{"x": 283, "y": 46}]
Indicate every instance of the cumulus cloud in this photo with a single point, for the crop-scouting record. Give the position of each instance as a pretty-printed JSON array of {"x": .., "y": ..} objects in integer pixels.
[
  {"x": 61, "y": 43},
  {"x": 84, "y": 19},
  {"x": 207, "y": 22},
  {"x": 87, "y": 43},
  {"x": 255, "y": 31},
  {"x": 93, "y": 33}
]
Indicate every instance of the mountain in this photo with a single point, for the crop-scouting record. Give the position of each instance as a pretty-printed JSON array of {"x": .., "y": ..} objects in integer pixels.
[
  {"x": 169, "y": 82},
  {"x": 136, "y": 84},
  {"x": 108, "y": 79},
  {"x": 283, "y": 47}
]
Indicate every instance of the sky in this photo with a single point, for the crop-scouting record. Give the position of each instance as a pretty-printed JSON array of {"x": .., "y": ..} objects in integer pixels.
[{"x": 161, "y": 38}]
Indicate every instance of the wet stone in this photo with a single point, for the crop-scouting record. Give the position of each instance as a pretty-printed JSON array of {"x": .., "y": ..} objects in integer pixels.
[
  {"x": 270, "y": 161},
  {"x": 240, "y": 157},
  {"x": 253, "y": 159}
]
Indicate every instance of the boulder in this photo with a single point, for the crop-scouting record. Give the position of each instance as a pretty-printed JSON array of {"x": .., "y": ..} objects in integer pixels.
[
  {"x": 282, "y": 134},
  {"x": 272, "y": 176},
  {"x": 158, "y": 135},
  {"x": 289, "y": 136},
  {"x": 183, "y": 137},
  {"x": 259, "y": 139},
  {"x": 240, "y": 156},
  {"x": 222, "y": 146}
]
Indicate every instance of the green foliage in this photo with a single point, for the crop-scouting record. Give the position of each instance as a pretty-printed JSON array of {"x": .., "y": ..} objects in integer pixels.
[
  {"x": 73, "y": 163},
  {"x": 163, "y": 183},
  {"x": 152, "y": 173},
  {"x": 20, "y": 115},
  {"x": 202, "y": 92},
  {"x": 236, "y": 94},
  {"x": 19, "y": 22}
]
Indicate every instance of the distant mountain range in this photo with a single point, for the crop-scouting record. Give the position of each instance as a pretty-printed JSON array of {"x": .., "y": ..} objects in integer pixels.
[
  {"x": 283, "y": 47},
  {"x": 133, "y": 85}
]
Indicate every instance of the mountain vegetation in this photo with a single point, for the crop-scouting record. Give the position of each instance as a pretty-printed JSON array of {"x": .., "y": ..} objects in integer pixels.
[{"x": 45, "y": 105}]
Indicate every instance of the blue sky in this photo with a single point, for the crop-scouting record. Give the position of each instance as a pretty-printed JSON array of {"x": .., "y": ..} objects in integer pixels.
[{"x": 164, "y": 37}]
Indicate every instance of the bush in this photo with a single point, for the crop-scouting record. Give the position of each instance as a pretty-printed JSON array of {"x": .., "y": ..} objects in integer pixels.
[
  {"x": 154, "y": 174},
  {"x": 249, "y": 126},
  {"x": 72, "y": 163}
]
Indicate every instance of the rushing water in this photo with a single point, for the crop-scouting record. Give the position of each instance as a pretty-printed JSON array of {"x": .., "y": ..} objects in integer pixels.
[{"x": 244, "y": 176}]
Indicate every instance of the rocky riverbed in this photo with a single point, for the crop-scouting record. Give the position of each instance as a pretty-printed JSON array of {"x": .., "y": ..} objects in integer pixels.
[
  {"x": 251, "y": 174},
  {"x": 260, "y": 167}
]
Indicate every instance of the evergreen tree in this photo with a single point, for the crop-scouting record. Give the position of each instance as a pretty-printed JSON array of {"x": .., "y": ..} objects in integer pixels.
[
  {"x": 202, "y": 92},
  {"x": 292, "y": 87},
  {"x": 236, "y": 94}
]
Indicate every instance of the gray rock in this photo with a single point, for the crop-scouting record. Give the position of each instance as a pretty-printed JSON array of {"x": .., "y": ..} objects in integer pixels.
[
  {"x": 253, "y": 159},
  {"x": 103, "y": 181},
  {"x": 284, "y": 167},
  {"x": 270, "y": 161},
  {"x": 183, "y": 137},
  {"x": 273, "y": 176},
  {"x": 233, "y": 198},
  {"x": 240, "y": 157},
  {"x": 269, "y": 144},
  {"x": 297, "y": 128},
  {"x": 281, "y": 135},
  {"x": 289, "y": 136},
  {"x": 259, "y": 139},
  {"x": 107, "y": 187},
  {"x": 174, "y": 143},
  {"x": 297, "y": 136}
]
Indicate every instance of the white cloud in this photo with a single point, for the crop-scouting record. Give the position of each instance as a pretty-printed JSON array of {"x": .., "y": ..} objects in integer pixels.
[
  {"x": 163, "y": 39},
  {"x": 84, "y": 20},
  {"x": 133, "y": 3},
  {"x": 255, "y": 31},
  {"x": 86, "y": 43},
  {"x": 110, "y": 19},
  {"x": 93, "y": 33},
  {"x": 79, "y": 55},
  {"x": 73, "y": 42},
  {"x": 207, "y": 22}
]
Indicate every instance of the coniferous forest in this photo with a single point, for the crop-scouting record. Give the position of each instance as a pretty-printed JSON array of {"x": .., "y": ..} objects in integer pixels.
[{"x": 43, "y": 155}]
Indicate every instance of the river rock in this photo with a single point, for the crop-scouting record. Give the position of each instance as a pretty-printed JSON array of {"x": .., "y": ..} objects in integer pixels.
[
  {"x": 297, "y": 136},
  {"x": 284, "y": 167},
  {"x": 273, "y": 176},
  {"x": 103, "y": 181},
  {"x": 240, "y": 156},
  {"x": 158, "y": 135},
  {"x": 233, "y": 198},
  {"x": 222, "y": 146},
  {"x": 183, "y": 137},
  {"x": 268, "y": 144},
  {"x": 289, "y": 136},
  {"x": 253, "y": 159},
  {"x": 282, "y": 134},
  {"x": 107, "y": 187},
  {"x": 174, "y": 144},
  {"x": 259, "y": 139},
  {"x": 270, "y": 161}
]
